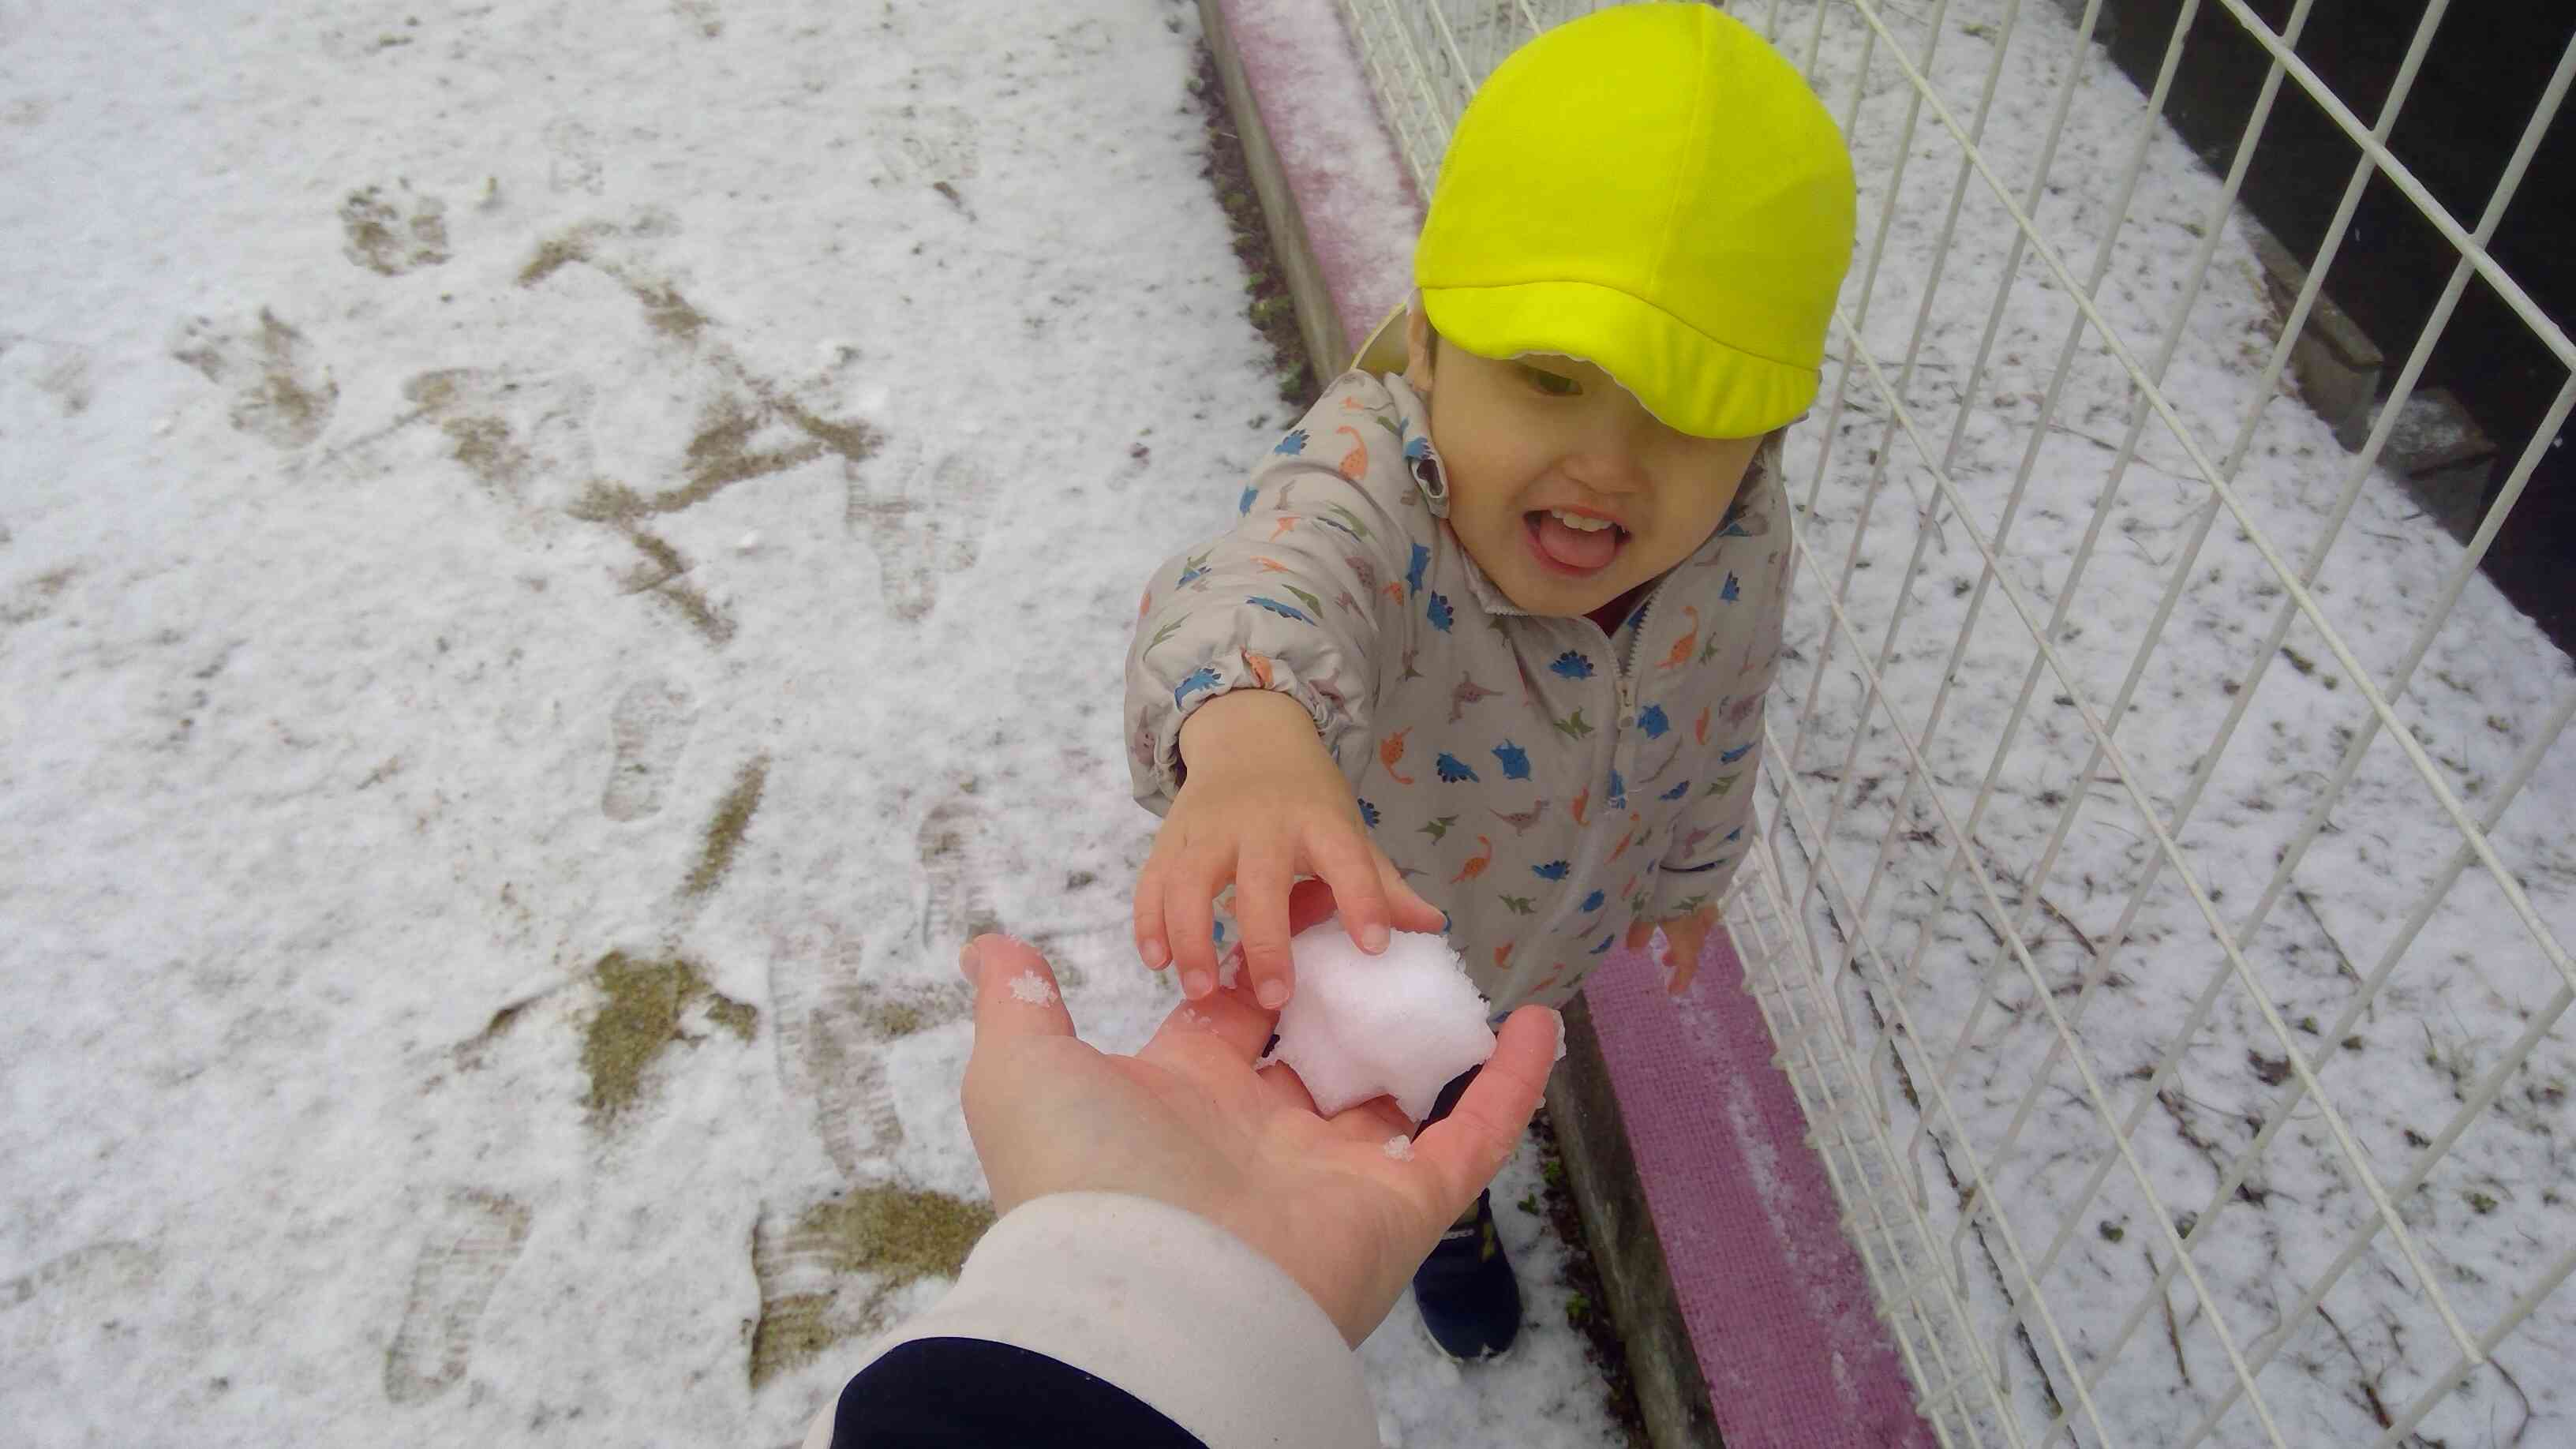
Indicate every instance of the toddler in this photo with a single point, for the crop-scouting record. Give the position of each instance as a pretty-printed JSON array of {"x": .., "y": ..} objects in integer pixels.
[{"x": 1487, "y": 647}]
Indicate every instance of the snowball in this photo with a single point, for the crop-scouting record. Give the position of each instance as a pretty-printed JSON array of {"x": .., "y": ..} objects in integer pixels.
[
  {"x": 1032, "y": 988},
  {"x": 1399, "y": 1024},
  {"x": 1399, "y": 1148},
  {"x": 1560, "y": 1036},
  {"x": 747, "y": 542}
]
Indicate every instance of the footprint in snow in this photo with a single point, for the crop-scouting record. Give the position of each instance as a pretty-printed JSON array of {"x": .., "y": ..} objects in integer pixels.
[
  {"x": 473, "y": 1239},
  {"x": 647, "y": 729}
]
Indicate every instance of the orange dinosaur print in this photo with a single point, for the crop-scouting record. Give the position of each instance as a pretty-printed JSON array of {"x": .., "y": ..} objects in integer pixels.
[
  {"x": 1354, "y": 462},
  {"x": 1145, "y": 605},
  {"x": 1260, "y": 667},
  {"x": 1686, "y": 645},
  {"x": 1624, "y": 842},
  {"x": 1476, "y": 864},
  {"x": 1390, "y": 750},
  {"x": 1550, "y": 979},
  {"x": 1271, "y": 565},
  {"x": 1395, "y": 592},
  {"x": 1287, "y": 521},
  {"x": 1582, "y": 802},
  {"x": 1503, "y": 954},
  {"x": 1699, "y": 732}
]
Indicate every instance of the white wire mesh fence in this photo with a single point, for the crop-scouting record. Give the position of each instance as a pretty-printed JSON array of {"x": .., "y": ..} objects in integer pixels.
[{"x": 2162, "y": 903}]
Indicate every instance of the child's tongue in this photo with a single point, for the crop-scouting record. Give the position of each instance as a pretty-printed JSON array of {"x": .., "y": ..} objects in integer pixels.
[{"x": 1573, "y": 547}]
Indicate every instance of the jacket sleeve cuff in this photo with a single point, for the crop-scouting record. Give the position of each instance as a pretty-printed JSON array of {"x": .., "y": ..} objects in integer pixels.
[
  {"x": 1155, "y": 765},
  {"x": 1166, "y": 1305}
]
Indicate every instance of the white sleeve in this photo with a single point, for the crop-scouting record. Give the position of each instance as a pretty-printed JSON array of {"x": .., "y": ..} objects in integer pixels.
[{"x": 1166, "y": 1305}]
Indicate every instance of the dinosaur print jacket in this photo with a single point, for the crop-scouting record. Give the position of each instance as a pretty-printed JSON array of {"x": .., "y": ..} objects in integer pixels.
[{"x": 1542, "y": 782}]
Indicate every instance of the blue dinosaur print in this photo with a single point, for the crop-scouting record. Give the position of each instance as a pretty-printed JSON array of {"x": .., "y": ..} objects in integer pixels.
[
  {"x": 1732, "y": 589},
  {"x": 1439, "y": 612},
  {"x": 1736, "y": 834},
  {"x": 1415, "y": 449},
  {"x": 1593, "y": 902},
  {"x": 1195, "y": 572},
  {"x": 1293, "y": 444},
  {"x": 1191, "y": 683},
  {"x": 1284, "y": 611},
  {"x": 1515, "y": 760},
  {"x": 1604, "y": 946},
  {"x": 1618, "y": 791},
  {"x": 1217, "y": 933},
  {"x": 1734, "y": 530},
  {"x": 1338, "y": 526},
  {"x": 1413, "y": 569},
  {"x": 1243, "y": 505},
  {"x": 1729, "y": 757},
  {"x": 1453, "y": 769},
  {"x": 1368, "y": 815},
  {"x": 1677, "y": 792},
  {"x": 1570, "y": 665},
  {"x": 1653, "y": 722},
  {"x": 1553, "y": 870}
]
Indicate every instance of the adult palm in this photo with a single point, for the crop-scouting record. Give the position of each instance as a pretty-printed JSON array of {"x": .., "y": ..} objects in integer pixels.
[{"x": 1347, "y": 1205}]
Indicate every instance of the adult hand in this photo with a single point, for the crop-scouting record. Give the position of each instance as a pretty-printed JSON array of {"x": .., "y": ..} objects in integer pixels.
[
  {"x": 1349, "y": 1206},
  {"x": 1683, "y": 938}
]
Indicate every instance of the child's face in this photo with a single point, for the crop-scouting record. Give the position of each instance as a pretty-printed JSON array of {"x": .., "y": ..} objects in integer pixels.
[{"x": 1521, "y": 440}]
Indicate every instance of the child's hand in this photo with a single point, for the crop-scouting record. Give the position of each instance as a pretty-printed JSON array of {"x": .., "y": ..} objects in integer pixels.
[
  {"x": 1263, "y": 803},
  {"x": 1683, "y": 936}
]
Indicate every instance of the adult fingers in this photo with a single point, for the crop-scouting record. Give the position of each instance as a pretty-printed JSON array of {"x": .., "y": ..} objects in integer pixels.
[
  {"x": 1310, "y": 902},
  {"x": 1469, "y": 1146},
  {"x": 1348, "y": 864},
  {"x": 1285, "y": 1089},
  {"x": 1227, "y": 1017},
  {"x": 1261, "y": 886},
  {"x": 1015, "y": 991}
]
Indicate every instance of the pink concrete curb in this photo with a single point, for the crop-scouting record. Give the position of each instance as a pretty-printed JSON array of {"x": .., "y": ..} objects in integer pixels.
[{"x": 1774, "y": 1295}]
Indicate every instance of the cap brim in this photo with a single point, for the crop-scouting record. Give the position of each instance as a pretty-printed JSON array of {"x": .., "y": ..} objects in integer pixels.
[{"x": 1692, "y": 382}]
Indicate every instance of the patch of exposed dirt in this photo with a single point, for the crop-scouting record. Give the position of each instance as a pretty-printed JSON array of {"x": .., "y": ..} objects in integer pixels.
[{"x": 643, "y": 1013}]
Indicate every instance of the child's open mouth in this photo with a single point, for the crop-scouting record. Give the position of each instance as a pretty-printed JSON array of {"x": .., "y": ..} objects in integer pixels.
[{"x": 1571, "y": 544}]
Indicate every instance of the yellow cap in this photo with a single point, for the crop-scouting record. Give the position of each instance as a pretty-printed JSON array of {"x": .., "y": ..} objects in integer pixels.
[{"x": 1653, "y": 189}]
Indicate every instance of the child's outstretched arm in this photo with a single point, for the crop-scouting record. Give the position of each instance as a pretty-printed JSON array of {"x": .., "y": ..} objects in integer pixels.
[
  {"x": 1252, "y": 683},
  {"x": 1262, "y": 804}
]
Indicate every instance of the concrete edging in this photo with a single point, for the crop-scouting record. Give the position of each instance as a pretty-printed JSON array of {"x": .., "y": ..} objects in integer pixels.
[
  {"x": 1319, "y": 319},
  {"x": 1601, "y": 1173}
]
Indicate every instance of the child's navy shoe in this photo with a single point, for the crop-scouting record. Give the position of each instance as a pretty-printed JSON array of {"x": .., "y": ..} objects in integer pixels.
[{"x": 1465, "y": 1289}]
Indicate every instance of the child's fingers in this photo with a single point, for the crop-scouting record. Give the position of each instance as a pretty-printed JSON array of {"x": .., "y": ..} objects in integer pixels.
[
  {"x": 1640, "y": 931},
  {"x": 1148, "y": 908},
  {"x": 1405, "y": 906},
  {"x": 1189, "y": 915},
  {"x": 1349, "y": 865},
  {"x": 1470, "y": 1145},
  {"x": 1261, "y": 909}
]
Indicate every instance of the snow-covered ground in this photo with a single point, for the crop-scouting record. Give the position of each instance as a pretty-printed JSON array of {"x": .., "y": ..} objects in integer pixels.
[
  {"x": 554, "y": 561},
  {"x": 2500, "y": 1208}
]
